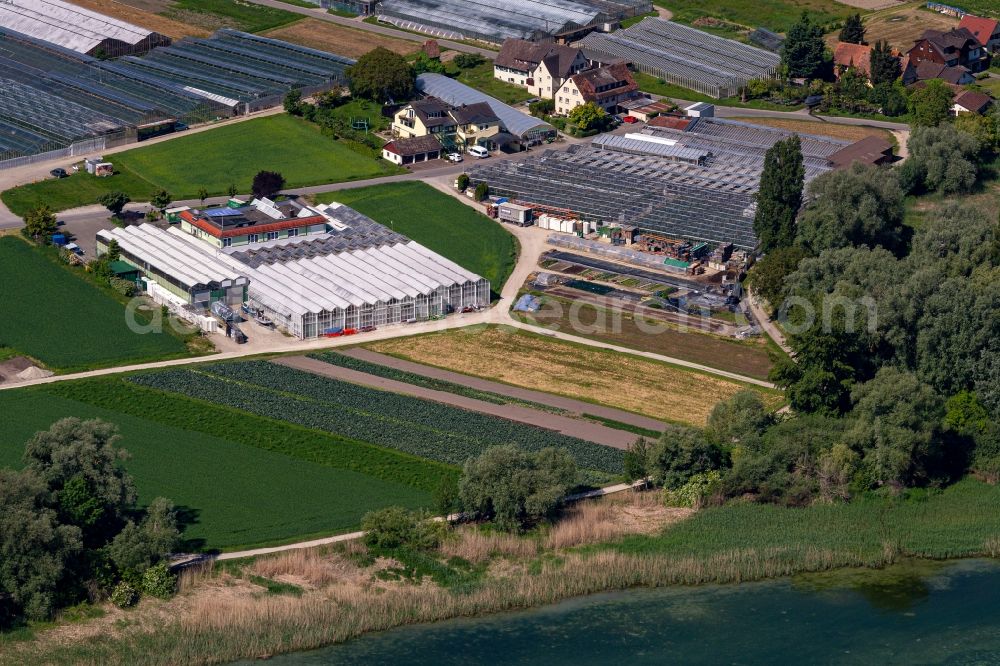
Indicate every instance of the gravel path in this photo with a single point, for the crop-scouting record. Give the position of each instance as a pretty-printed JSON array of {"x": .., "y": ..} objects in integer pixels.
[
  {"x": 586, "y": 430},
  {"x": 569, "y": 404}
]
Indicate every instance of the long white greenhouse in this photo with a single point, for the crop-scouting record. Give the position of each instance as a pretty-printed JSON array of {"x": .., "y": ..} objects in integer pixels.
[
  {"x": 371, "y": 287},
  {"x": 386, "y": 283}
]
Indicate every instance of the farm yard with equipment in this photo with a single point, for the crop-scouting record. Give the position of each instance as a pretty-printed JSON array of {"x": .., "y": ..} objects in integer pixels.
[
  {"x": 438, "y": 222},
  {"x": 536, "y": 361},
  {"x": 68, "y": 323}
]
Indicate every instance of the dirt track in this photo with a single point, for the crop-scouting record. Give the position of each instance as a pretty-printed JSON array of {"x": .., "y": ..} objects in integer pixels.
[{"x": 592, "y": 432}]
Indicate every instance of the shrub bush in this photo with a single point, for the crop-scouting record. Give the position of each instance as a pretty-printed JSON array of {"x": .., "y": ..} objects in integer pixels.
[
  {"x": 159, "y": 582},
  {"x": 124, "y": 595},
  {"x": 123, "y": 287},
  {"x": 395, "y": 527}
]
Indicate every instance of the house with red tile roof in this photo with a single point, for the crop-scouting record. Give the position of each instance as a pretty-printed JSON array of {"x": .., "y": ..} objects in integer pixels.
[
  {"x": 607, "y": 87},
  {"x": 957, "y": 47},
  {"x": 852, "y": 56},
  {"x": 985, "y": 30}
]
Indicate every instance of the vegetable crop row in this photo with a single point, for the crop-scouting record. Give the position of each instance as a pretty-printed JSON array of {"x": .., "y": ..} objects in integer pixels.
[{"x": 420, "y": 427}]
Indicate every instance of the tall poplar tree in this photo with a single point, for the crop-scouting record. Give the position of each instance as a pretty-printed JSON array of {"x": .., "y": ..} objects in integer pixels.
[{"x": 780, "y": 194}]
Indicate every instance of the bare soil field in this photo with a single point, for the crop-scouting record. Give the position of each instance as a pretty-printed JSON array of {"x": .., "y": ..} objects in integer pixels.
[
  {"x": 903, "y": 25},
  {"x": 515, "y": 357},
  {"x": 846, "y": 132},
  {"x": 334, "y": 38},
  {"x": 143, "y": 13}
]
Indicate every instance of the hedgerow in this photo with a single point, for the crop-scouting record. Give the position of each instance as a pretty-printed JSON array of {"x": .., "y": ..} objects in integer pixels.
[{"x": 420, "y": 427}]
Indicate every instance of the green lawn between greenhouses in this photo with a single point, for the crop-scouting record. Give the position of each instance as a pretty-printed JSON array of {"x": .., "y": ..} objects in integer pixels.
[
  {"x": 776, "y": 15},
  {"x": 439, "y": 222},
  {"x": 213, "y": 160},
  {"x": 245, "y": 16},
  {"x": 245, "y": 480},
  {"x": 53, "y": 315}
]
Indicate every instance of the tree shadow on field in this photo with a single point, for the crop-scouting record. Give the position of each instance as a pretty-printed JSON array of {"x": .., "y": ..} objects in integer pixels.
[{"x": 187, "y": 516}]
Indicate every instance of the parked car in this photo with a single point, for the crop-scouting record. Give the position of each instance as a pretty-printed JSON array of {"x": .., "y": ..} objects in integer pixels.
[
  {"x": 630, "y": 119},
  {"x": 479, "y": 152},
  {"x": 58, "y": 173},
  {"x": 454, "y": 157},
  {"x": 366, "y": 329},
  {"x": 74, "y": 248}
]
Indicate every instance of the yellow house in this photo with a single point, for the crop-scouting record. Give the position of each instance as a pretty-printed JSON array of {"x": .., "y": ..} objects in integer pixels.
[
  {"x": 423, "y": 117},
  {"x": 476, "y": 124}
]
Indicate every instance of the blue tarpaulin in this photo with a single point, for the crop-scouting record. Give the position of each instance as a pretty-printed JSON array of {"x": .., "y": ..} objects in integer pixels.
[{"x": 527, "y": 303}]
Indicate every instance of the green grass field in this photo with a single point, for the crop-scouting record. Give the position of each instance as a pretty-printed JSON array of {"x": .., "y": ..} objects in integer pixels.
[
  {"x": 777, "y": 15},
  {"x": 651, "y": 84},
  {"x": 51, "y": 314},
  {"x": 439, "y": 222},
  {"x": 214, "y": 159},
  {"x": 245, "y": 16},
  {"x": 246, "y": 480},
  {"x": 958, "y": 521}
]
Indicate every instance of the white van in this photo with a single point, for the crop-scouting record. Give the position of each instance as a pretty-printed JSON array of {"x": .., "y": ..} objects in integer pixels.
[{"x": 479, "y": 151}]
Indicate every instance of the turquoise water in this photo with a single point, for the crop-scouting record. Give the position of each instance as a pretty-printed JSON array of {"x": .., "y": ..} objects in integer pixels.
[{"x": 910, "y": 614}]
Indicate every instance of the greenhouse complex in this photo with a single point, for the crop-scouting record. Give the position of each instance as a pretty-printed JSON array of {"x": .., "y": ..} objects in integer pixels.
[
  {"x": 697, "y": 182},
  {"x": 355, "y": 274},
  {"x": 66, "y": 101},
  {"x": 495, "y": 20},
  {"x": 684, "y": 56}
]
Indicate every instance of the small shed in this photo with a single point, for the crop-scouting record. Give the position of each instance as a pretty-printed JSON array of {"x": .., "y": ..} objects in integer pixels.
[
  {"x": 700, "y": 110},
  {"x": 96, "y": 166},
  {"x": 174, "y": 214}
]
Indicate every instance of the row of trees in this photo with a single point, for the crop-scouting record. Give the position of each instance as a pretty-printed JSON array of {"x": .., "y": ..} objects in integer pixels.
[
  {"x": 893, "y": 378},
  {"x": 71, "y": 528}
]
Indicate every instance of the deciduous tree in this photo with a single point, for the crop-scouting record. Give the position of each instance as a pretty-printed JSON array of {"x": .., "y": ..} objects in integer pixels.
[
  {"x": 40, "y": 223},
  {"x": 930, "y": 105},
  {"x": 114, "y": 201},
  {"x": 267, "y": 184},
  {"x": 382, "y": 76}
]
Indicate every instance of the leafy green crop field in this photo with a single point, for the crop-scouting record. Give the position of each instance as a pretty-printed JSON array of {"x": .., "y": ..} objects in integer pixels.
[
  {"x": 213, "y": 159},
  {"x": 64, "y": 321},
  {"x": 439, "y": 222},
  {"x": 244, "y": 479},
  {"x": 419, "y": 427}
]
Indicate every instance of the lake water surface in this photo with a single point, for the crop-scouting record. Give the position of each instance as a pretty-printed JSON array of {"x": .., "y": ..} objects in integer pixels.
[{"x": 913, "y": 613}]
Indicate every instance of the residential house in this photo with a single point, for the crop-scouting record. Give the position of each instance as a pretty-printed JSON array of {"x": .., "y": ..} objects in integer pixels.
[
  {"x": 476, "y": 124},
  {"x": 986, "y": 31},
  {"x": 541, "y": 68},
  {"x": 970, "y": 101},
  {"x": 422, "y": 117},
  {"x": 926, "y": 70},
  {"x": 607, "y": 87},
  {"x": 454, "y": 127},
  {"x": 857, "y": 57},
  {"x": 957, "y": 47},
  {"x": 412, "y": 150}
]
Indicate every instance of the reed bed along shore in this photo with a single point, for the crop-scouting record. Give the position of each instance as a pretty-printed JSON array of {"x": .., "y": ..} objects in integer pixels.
[{"x": 226, "y": 614}]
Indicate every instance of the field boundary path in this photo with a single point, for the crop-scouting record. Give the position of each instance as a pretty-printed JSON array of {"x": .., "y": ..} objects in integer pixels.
[
  {"x": 353, "y": 536},
  {"x": 572, "y": 427},
  {"x": 490, "y": 386}
]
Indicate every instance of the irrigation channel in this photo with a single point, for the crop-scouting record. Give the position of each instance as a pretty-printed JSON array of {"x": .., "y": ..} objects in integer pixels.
[{"x": 911, "y": 613}]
